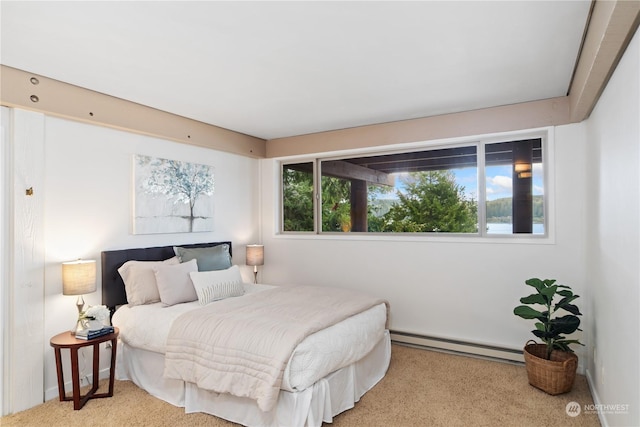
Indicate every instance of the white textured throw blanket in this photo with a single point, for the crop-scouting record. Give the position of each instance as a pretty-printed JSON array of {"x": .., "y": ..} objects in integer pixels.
[{"x": 241, "y": 345}]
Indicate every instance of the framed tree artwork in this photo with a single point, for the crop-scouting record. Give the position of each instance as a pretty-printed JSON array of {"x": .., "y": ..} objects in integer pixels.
[{"x": 171, "y": 196}]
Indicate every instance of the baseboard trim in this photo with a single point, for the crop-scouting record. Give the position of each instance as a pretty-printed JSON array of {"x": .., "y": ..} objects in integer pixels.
[
  {"x": 596, "y": 398},
  {"x": 456, "y": 346}
]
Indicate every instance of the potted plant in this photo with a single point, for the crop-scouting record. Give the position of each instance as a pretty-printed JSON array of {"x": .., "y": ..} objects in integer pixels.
[{"x": 551, "y": 366}]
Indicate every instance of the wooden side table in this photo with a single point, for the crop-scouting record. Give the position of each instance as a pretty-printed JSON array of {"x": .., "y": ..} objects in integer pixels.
[{"x": 68, "y": 340}]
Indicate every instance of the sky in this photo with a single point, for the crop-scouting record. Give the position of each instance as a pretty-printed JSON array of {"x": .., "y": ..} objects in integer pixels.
[{"x": 498, "y": 181}]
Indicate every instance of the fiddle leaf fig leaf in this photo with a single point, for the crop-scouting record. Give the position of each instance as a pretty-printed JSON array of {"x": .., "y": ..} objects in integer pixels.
[
  {"x": 542, "y": 334},
  {"x": 565, "y": 324},
  {"x": 549, "y": 292},
  {"x": 536, "y": 283},
  {"x": 565, "y": 293},
  {"x": 533, "y": 299},
  {"x": 566, "y": 300},
  {"x": 571, "y": 309},
  {"x": 526, "y": 312},
  {"x": 571, "y": 342}
]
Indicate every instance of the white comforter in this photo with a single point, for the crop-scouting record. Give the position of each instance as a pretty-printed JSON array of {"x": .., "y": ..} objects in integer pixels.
[
  {"x": 242, "y": 345},
  {"x": 147, "y": 326}
]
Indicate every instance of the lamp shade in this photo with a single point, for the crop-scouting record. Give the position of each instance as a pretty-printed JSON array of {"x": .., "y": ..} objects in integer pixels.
[
  {"x": 255, "y": 255},
  {"x": 78, "y": 277}
]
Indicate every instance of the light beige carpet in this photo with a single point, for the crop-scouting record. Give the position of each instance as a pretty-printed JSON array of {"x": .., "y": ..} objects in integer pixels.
[{"x": 421, "y": 388}]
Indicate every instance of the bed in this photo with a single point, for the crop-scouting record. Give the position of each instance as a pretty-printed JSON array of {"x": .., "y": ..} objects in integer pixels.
[{"x": 326, "y": 373}]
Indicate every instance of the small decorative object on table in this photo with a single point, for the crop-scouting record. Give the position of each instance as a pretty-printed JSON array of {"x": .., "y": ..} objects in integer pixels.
[
  {"x": 551, "y": 366},
  {"x": 93, "y": 319},
  {"x": 89, "y": 334}
]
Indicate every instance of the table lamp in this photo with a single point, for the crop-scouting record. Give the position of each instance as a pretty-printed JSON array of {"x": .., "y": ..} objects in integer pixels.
[
  {"x": 79, "y": 278},
  {"x": 255, "y": 257}
]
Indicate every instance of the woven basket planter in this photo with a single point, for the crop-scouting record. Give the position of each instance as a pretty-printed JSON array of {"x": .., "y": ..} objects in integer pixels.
[{"x": 555, "y": 376}]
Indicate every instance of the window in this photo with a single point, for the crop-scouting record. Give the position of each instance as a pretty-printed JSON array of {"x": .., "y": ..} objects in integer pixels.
[
  {"x": 403, "y": 192},
  {"x": 515, "y": 187},
  {"x": 427, "y": 191},
  {"x": 297, "y": 191}
]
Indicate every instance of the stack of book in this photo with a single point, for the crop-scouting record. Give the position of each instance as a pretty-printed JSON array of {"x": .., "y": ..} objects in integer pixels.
[{"x": 86, "y": 334}]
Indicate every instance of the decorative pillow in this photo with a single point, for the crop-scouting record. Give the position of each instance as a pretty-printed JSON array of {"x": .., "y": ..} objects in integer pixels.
[
  {"x": 216, "y": 285},
  {"x": 140, "y": 281},
  {"x": 174, "y": 284},
  {"x": 209, "y": 259}
]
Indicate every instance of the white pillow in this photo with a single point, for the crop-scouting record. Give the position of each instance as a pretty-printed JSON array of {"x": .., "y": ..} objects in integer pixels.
[
  {"x": 174, "y": 284},
  {"x": 140, "y": 280},
  {"x": 216, "y": 285}
]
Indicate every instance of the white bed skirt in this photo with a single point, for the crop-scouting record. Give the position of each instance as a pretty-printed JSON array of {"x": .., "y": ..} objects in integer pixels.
[{"x": 319, "y": 403}]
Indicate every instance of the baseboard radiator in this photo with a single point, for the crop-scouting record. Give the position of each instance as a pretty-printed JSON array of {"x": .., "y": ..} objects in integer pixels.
[{"x": 460, "y": 347}]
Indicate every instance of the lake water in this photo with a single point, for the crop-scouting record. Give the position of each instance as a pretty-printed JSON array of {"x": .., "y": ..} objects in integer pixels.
[{"x": 493, "y": 228}]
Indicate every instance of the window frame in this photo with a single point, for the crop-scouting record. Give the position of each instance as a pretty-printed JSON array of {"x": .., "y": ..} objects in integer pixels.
[{"x": 548, "y": 237}]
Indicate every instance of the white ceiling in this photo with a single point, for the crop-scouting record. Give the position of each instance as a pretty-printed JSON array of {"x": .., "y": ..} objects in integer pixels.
[{"x": 275, "y": 69}]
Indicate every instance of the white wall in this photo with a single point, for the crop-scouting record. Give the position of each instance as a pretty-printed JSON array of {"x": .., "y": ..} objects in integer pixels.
[
  {"x": 87, "y": 205},
  {"x": 4, "y": 248},
  {"x": 458, "y": 290},
  {"x": 614, "y": 241}
]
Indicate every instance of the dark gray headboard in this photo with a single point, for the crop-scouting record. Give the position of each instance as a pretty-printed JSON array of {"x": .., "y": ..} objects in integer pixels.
[{"x": 113, "y": 293}]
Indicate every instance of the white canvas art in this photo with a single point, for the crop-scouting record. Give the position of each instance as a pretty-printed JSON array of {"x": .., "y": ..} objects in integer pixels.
[{"x": 172, "y": 196}]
